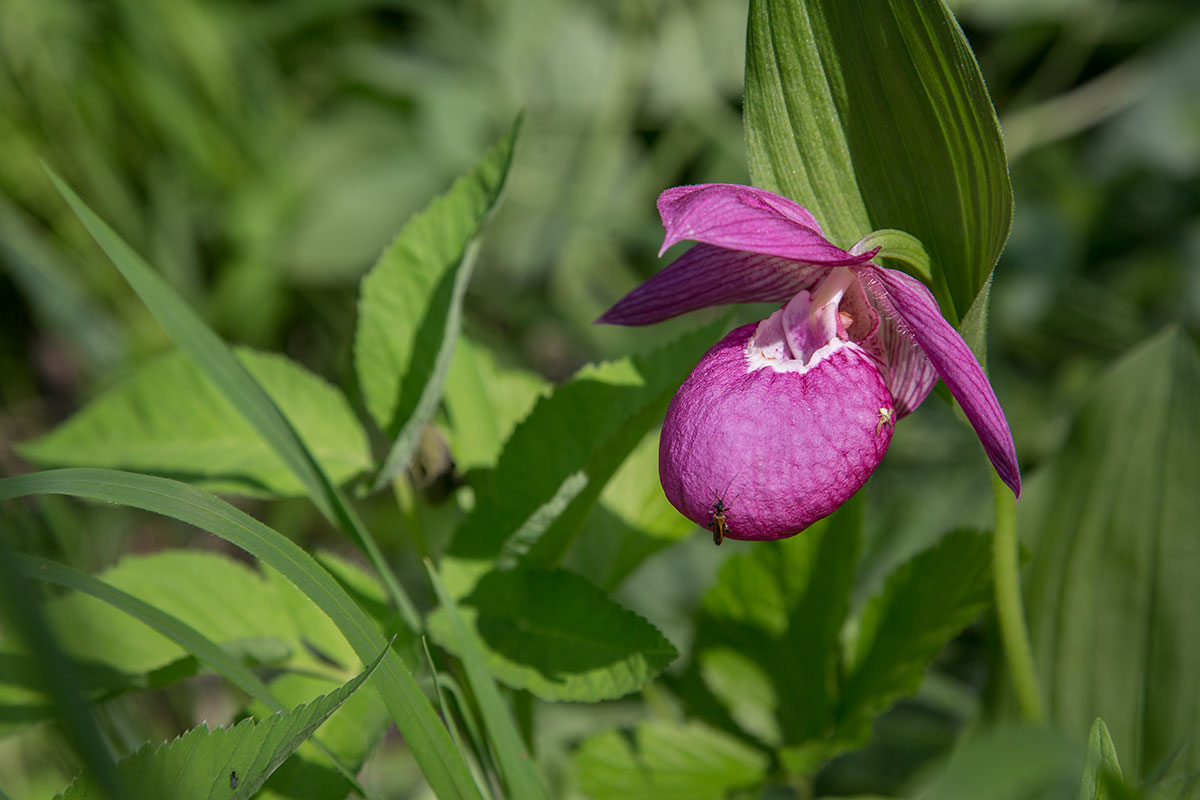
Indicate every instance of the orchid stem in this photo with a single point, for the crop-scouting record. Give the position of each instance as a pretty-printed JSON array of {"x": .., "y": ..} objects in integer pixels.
[{"x": 1006, "y": 579}]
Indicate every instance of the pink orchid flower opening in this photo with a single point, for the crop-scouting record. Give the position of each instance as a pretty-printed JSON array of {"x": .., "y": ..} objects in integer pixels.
[{"x": 783, "y": 420}]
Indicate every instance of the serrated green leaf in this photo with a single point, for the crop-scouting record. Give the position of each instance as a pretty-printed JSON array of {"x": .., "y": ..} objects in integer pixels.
[
  {"x": 663, "y": 760},
  {"x": 350, "y": 734},
  {"x": 559, "y": 458},
  {"x": 1112, "y": 588},
  {"x": 880, "y": 125},
  {"x": 223, "y": 763},
  {"x": 424, "y": 734},
  {"x": 170, "y": 419},
  {"x": 1101, "y": 764},
  {"x": 923, "y": 605},
  {"x": 555, "y": 635},
  {"x": 410, "y": 305},
  {"x": 484, "y": 402}
]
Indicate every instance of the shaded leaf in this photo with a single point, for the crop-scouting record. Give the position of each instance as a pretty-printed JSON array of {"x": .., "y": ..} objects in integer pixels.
[
  {"x": 170, "y": 419},
  {"x": 923, "y": 605},
  {"x": 552, "y": 633},
  {"x": 1112, "y": 588},
  {"x": 886, "y": 125}
]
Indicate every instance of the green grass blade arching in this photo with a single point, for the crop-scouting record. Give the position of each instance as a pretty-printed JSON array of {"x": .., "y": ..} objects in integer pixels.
[
  {"x": 217, "y": 361},
  {"x": 428, "y": 739}
]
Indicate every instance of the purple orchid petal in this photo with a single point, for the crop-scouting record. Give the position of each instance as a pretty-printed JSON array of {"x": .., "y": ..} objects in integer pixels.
[
  {"x": 712, "y": 276},
  {"x": 909, "y": 375},
  {"x": 751, "y": 220},
  {"x": 912, "y": 305}
]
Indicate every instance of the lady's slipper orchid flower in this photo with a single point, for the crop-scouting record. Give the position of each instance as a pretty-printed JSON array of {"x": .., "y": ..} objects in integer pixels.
[{"x": 783, "y": 420}]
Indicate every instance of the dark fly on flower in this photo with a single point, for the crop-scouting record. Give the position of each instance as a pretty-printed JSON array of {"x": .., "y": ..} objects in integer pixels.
[
  {"x": 232, "y": 780},
  {"x": 719, "y": 514}
]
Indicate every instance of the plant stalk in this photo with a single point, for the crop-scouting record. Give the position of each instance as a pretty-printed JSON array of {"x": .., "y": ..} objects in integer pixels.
[{"x": 1006, "y": 580}]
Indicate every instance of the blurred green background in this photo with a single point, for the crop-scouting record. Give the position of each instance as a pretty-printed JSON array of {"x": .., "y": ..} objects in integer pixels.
[{"x": 262, "y": 154}]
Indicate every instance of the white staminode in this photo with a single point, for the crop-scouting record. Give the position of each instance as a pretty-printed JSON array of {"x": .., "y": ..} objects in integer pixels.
[{"x": 804, "y": 332}]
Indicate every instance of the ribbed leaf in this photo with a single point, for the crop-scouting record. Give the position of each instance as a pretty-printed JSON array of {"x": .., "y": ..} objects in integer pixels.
[
  {"x": 880, "y": 125},
  {"x": 1112, "y": 587}
]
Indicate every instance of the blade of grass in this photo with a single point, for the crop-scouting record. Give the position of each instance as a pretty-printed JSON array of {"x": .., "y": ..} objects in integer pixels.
[
  {"x": 217, "y": 361},
  {"x": 19, "y": 607},
  {"x": 517, "y": 769},
  {"x": 204, "y": 649},
  {"x": 444, "y": 769}
]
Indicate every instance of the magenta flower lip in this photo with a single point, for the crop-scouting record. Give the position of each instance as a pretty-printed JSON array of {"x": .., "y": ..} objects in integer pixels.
[{"x": 790, "y": 417}]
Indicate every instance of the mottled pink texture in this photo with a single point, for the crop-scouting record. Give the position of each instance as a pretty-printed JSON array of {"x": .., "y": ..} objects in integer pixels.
[{"x": 783, "y": 449}]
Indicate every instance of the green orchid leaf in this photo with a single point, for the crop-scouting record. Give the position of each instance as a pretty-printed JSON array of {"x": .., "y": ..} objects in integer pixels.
[
  {"x": 1112, "y": 594},
  {"x": 880, "y": 125}
]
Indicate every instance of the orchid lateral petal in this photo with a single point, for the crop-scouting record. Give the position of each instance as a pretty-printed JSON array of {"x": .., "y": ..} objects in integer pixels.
[
  {"x": 908, "y": 301},
  {"x": 908, "y": 373},
  {"x": 751, "y": 220},
  {"x": 712, "y": 276}
]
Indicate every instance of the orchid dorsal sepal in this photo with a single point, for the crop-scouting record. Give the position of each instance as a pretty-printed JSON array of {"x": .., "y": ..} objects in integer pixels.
[{"x": 903, "y": 248}]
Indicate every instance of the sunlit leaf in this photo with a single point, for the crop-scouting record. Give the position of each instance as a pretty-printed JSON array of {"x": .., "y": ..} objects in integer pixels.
[
  {"x": 662, "y": 761},
  {"x": 410, "y": 306},
  {"x": 170, "y": 419}
]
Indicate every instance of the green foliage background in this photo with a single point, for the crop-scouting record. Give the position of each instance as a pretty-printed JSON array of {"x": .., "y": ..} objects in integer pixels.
[{"x": 262, "y": 155}]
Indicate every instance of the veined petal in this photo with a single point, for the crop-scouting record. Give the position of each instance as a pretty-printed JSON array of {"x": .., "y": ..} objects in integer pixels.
[
  {"x": 752, "y": 220},
  {"x": 909, "y": 374},
  {"x": 712, "y": 276},
  {"x": 908, "y": 301}
]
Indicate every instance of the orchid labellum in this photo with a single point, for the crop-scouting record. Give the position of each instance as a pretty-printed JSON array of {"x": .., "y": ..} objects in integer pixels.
[{"x": 783, "y": 420}]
